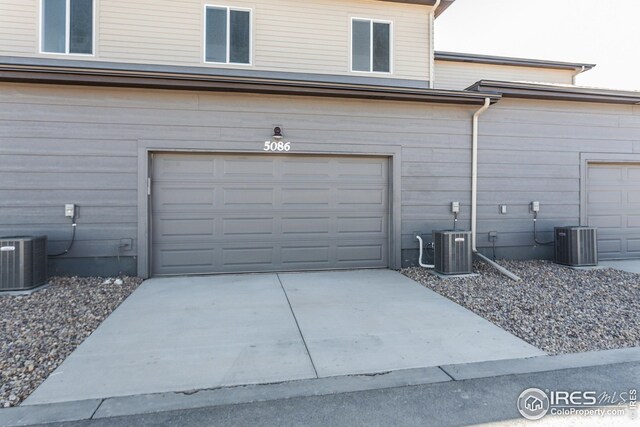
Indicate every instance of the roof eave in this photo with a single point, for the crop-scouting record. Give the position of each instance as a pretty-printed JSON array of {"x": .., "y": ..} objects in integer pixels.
[
  {"x": 556, "y": 93},
  {"x": 517, "y": 62},
  {"x": 444, "y": 4},
  {"x": 95, "y": 76}
]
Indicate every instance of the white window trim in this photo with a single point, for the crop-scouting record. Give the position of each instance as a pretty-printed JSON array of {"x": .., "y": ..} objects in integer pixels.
[
  {"x": 204, "y": 35},
  {"x": 391, "y": 46},
  {"x": 68, "y": 32}
]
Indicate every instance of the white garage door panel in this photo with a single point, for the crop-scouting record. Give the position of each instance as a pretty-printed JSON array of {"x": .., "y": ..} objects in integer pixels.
[
  {"x": 232, "y": 213},
  {"x": 613, "y": 205}
]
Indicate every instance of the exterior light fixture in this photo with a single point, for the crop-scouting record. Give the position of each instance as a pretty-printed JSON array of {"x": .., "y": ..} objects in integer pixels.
[{"x": 277, "y": 142}]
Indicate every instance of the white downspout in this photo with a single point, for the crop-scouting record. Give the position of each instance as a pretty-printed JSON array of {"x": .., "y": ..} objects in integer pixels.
[
  {"x": 577, "y": 73},
  {"x": 474, "y": 193},
  {"x": 474, "y": 172},
  {"x": 432, "y": 44}
]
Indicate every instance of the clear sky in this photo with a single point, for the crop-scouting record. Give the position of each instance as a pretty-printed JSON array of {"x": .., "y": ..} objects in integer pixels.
[{"x": 603, "y": 32}]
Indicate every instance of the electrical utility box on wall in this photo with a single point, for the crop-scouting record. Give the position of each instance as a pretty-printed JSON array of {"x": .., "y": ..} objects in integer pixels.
[
  {"x": 23, "y": 262},
  {"x": 576, "y": 246},
  {"x": 452, "y": 251}
]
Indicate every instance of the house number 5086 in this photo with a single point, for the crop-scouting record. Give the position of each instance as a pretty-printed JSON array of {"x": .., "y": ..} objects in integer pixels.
[{"x": 277, "y": 146}]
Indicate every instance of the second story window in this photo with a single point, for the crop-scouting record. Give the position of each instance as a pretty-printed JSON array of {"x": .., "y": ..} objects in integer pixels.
[
  {"x": 67, "y": 26},
  {"x": 370, "y": 46},
  {"x": 228, "y": 35}
]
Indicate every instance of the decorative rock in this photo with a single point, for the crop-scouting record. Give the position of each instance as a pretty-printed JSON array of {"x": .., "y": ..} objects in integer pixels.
[
  {"x": 38, "y": 331},
  {"x": 555, "y": 308}
]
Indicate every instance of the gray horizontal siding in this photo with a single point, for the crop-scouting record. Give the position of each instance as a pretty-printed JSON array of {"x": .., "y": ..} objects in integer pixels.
[
  {"x": 69, "y": 180},
  {"x": 144, "y": 119},
  {"x": 61, "y": 164},
  {"x": 79, "y": 145},
  {"x": 69, "y": 147},
  {"x": 51, "y": 215},
  {"x": 34, "y": 197},
  {"x": 529, "y": 150},
  {"x": 84, "y": 232},
  {"x": 511, "y": 183},
  {"x": 490, "y": 170},
  {"x": 559, "y": 131},
  {"x": 46, "y": 164}
]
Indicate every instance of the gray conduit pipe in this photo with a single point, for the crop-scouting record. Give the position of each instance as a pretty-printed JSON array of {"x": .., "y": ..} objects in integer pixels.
[{"x": 474, "y": 194}]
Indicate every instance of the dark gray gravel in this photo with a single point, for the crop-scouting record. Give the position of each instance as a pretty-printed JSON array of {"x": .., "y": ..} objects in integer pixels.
[
  {"x": 37, "y": 332},
  {"x": 555, "y": 308}
]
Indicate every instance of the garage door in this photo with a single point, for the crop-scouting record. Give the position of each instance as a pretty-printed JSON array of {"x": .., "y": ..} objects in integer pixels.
[
  {"x": 613, "y": 205},
  {"x": 256, "y": 213}
]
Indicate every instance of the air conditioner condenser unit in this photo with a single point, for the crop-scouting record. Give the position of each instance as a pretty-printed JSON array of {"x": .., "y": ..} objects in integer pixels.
[
  {"x": 576, "y": 246},
  {"x": 452, "y": 251},
  {"x": 23, "y": 262}
]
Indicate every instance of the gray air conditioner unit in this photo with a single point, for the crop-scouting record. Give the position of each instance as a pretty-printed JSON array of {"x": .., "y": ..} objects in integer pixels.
[
  {"x": 23, "y": 262},
  {"x": 452, "y": 251},
  {"x": 576, "y": 246}
]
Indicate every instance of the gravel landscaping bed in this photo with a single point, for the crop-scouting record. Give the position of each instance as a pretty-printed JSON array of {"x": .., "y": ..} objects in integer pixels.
[
  {"x": 554, "y": 308},
  {"x": 38, "y": 331}
]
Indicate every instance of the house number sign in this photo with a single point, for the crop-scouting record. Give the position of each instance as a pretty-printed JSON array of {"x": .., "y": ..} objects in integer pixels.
[{"x": 277, "y": 146}]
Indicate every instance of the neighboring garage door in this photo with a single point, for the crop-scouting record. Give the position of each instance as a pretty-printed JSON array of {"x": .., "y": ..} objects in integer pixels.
[
  {"x": 255, "y": 213},
  {"x": 613, "y": 205}
]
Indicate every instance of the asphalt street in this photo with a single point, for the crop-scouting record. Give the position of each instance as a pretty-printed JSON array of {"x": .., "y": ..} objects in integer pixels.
[{"x": 478, "y": 401}]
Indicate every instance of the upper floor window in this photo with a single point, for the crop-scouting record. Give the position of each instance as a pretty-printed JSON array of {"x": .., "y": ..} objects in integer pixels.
[
  {"x": 370, "y": 46},
  {"x": 227, "y": 35},
  {"x": 67, "y": 26}
]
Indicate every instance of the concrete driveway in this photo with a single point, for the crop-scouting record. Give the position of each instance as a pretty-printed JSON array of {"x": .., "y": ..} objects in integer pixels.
[
  {"x": 189, "y": 333},
  {"x": 628, "y": 265}
]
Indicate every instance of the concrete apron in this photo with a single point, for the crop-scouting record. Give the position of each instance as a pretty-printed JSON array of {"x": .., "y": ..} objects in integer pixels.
[
  {"x": 192, "y": 333},
  {"x": 628, "y": 265}
]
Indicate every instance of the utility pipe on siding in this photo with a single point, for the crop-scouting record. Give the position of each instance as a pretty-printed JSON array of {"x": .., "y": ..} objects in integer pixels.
[
  {"x": 420, "y": 257},
  {"x": 474, "y": 193},
  {"x": 432, "y": 44}
]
